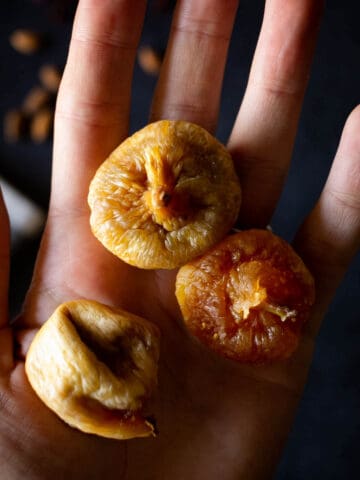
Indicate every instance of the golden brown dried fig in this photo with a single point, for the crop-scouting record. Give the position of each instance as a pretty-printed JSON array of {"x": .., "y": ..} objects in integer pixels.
[
  {"x": 164, "y": 196},
  {"x": 95, "y": 366},
  {"x": 247, "y": 298}
]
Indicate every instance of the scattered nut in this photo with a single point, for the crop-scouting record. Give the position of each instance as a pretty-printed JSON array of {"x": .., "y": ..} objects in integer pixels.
[
  {"x": 149, "y": 60},
  {"x": 14, "y": 125},
  {"x": 50, "y": 77},
  {"x": 25, "y": 41},
  {"x": 41, "y": 125},
  {"x": 94, "y": 367},
  {"x": 35, "y": 100}
]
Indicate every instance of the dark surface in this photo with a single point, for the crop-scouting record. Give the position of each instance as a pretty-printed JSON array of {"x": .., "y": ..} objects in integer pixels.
[{"x": 325, "y": 437}]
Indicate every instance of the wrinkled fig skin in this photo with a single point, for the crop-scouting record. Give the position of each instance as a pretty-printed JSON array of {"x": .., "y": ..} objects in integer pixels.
[
  {"x": 94, "y": 366},
  {"x": 164, "y": 196},
  {"x": 247, "y": 298}
]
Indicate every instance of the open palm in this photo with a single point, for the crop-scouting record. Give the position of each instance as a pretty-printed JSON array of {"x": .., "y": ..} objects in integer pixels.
[{"x": 216, "y": 419}]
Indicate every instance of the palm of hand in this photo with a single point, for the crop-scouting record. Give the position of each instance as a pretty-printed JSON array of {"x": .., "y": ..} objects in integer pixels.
[
  {"x": 201, "y": 399},
  {"x": 214, "y": 416}
]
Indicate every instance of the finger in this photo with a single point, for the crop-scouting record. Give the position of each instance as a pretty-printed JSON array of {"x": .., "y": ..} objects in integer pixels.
[
  {"x": 190, "y": 82},
  {"x": 23, "y": 340},
  {"x": 6, "y": 357},
  {"x": 330, "y": 236},
  {"x": 94, "y": 100},
  {"x": 4, "y": 261},
  {"x": 263, "y": 135}
]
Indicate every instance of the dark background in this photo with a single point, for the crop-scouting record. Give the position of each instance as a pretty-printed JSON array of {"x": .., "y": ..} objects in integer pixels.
[{"x": 324, "y": 440}]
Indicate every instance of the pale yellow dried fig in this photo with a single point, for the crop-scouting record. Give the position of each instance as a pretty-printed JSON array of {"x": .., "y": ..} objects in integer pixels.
[
  {"x": 95, "y": 366},
  {"x": 164, "y": 196}
]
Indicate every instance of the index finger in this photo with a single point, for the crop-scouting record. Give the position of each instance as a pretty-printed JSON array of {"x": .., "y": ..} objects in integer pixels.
[{"x": 93, "y": 106}]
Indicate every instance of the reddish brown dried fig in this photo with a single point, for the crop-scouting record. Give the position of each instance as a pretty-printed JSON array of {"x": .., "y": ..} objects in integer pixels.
[
  {"x": 247, "y": 298},
  {"x": 164, "y": 196},
  {"x": 94, "y": 367}
]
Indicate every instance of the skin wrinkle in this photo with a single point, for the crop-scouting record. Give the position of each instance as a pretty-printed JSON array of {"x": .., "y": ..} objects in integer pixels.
[
  {"x": 92, "y": 94},
  {"x": 202, "y": 34},
  {"x": 281, "y": 90},
  {"x": 331, "y": 236},
  {"x": 207, "y": 15},
  {"x": 347, "y": 184},
  {"x": 106, "y": 24},
  {"x": 345, "y": 201},
  {"x": 91, "y": 120},
  {"x": 56, "y": 213},
  {"x": 286, "y": 66},
  {"x": 104, "y": 42}
]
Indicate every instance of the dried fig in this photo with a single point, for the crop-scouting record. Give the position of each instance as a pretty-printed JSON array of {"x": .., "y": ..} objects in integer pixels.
[
  {"x": 164, "y": 196},
  {"x": 94, "y": 367},
  {"x": 247, "y": 298}
]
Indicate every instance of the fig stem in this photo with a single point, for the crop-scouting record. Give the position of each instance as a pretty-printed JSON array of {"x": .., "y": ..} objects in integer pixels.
[
  {"x": 283, "y": 312},
  {"x": 151, "y": 423},
  {"x": 165, "y": 198}
]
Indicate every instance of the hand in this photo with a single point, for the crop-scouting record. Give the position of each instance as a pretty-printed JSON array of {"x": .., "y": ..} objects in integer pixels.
[{"x": 217, "y": 419}]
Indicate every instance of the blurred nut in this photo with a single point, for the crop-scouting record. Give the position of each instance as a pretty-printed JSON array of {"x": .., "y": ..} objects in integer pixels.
[
  {"x": 94, "y": 366},
  {"x": 50, "y": 77},
  {"x": 41, "y": 125},
  {"x": 14, "y": 125},
  {"x": 35, "y": 100},
  {"x": 149, "y": 60},
  {"x": 25, "y": 41}
]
